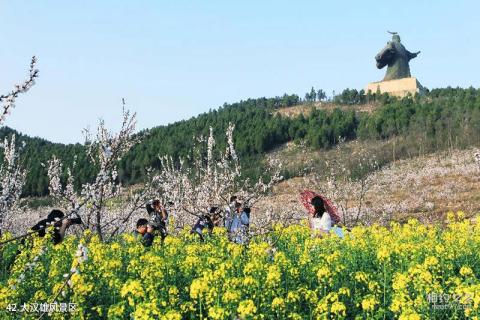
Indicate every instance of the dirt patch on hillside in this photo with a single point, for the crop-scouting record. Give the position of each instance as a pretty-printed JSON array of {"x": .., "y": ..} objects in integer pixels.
[
  {"x": 305, "y": 109},
  {"x": 425, "y": 187}
]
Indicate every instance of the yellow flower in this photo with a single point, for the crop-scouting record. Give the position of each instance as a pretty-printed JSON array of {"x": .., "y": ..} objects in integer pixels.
[
  {"x": 246, "y": 308},
  {"x": 173, "y": 295},
  {"x": 280, "y": 258},
  {"x": 292, "y": 297},
  {"x": 373, "y": 286},
  {"x": 294, "y": 273},
  {"x": 294, "y": 316},
  {"x": 79, "y": 285},
  {"x": 332, "y": 297},
  {"x": 396, "y": 304},
  {"x": 217, "y": 275},
  {"x": 450, "y": 216},
  {"x": 412, "y": 316},
  {"x": 383, "y": 254},
  {"x": 333, "y": 257},
  {"x": 323, "y": 273},
  {"x": 311, "y": 297},
  {"x": 338, "y": 308},
  {"x": 113, "y": 264},
  {"x": 132, "y": 289},
  {"x": 426, "y": 276},
  {"x": 361, "y": 276},
  {"x": 344, "y": 291},
  {"x": 278, "y": 303},
  {"x": 40, "y": 296},
  {"x": 249, "y": 268},
  {"x": 129, "y": 238},
  {"x": 116, "y": 311},
  {"x": 259, "y": 250},
  {"x": 466, "y": 271},
  {"x": 369, "y": 303},
  {"x": 249, "y": 281},
  {"x": 273, "y": 276},
  {"x": 98, "y": 309},
  {"x": 216, "y": 313},
  {"x": 230, "y": 296},
  {"x": 219, "y": 231},
  {"x": 191, "y": 262},
  {"x": 400, "y": 282},
  {"x": 234, "y": 249},
  {"x": 187, "y": 307},
  {"x": 213, "y": 261},
  {"x": 198, "y": 288},
  {"x": 322, "y": 307},
  {"x": 173, "y": 290},
  {"x": 431, "y": 261},
  {"x": 172, "y": 315}
]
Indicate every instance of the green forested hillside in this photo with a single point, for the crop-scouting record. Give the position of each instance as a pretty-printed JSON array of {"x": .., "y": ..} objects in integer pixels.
[
  {"x": 443, "y": 118},
  {"x": 257, "y": 131},
  {"x": 34, "y": 154}
]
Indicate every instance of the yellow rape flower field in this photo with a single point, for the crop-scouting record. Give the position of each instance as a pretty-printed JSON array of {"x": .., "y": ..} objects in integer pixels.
[{"x": 404, "y": 271}]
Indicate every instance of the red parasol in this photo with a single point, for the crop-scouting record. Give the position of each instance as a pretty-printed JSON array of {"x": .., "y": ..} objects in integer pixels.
[{"x": 306, "y": 197}]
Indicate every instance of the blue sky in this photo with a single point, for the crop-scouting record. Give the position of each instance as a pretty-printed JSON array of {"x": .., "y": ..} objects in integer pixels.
[{"x": 172, "y": 60}]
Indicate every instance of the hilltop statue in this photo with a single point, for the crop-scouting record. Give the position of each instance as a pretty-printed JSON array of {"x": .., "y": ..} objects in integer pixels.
[
  {"x": 398, "y": 81},
  {"x": 396, "y": 57}
]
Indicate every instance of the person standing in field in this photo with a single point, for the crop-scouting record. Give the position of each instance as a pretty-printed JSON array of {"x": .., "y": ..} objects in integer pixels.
[
  {"x": 239, "y": 228},
  {"x": 158, "y": 217},
  {"x": 229, "y": 212},
  {"x": 320, "y": 219},
  {"x": 207, "y": 221}
]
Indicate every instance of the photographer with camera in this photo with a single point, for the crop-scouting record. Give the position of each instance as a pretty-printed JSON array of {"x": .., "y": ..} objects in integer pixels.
[
  {"x": 158, "y": 217},
  {"x": 60, "y": 225}
]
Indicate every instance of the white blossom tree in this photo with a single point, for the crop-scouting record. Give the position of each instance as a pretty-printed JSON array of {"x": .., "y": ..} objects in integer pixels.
[
  {"x": 347, "y": 189},
  {"x": 12, "y": 180},
  {"x": 189, "y": 187},
  {"x": 7, "y": 101},
  {"x": 12, "y": 176},
  {"x": 57, "y": 191},
  {"x": 105, "y": 150}
]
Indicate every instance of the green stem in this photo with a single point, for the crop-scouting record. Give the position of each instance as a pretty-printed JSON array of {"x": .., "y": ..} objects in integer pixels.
[{"x": 384, "y": 287}]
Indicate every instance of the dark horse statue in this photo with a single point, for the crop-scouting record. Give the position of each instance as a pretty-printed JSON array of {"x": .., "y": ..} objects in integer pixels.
[{"x": 396, "y": 57}]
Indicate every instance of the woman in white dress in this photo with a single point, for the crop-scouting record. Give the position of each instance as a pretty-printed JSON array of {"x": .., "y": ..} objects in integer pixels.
[{"x": 320, "y": 219}]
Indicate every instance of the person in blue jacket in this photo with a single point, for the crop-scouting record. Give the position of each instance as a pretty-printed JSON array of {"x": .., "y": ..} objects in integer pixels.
[{"x": 240, "y": 226}]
